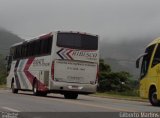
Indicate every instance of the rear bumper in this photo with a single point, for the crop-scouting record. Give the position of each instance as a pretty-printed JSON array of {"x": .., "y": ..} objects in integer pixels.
[{"x": 63, "y": 87}]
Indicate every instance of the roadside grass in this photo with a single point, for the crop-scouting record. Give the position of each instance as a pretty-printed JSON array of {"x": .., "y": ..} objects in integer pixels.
[
  {"x": 129, "y": 95},
  {"x": 2, "y": 86}
]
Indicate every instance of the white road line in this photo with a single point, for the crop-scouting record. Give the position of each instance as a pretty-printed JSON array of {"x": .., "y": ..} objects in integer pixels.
[{"x": 11, "y": 109}]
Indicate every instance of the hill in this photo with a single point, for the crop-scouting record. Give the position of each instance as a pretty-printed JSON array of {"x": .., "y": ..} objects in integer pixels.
[
  {"x": 122, "y": 55},
  {"x": 6, "y": 40}
]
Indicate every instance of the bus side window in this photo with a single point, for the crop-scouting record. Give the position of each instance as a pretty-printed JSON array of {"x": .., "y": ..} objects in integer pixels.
[
  {"x": 13, "y": 52},
  {"x": 43, "y": 47},
  {"x": 49, "y": 45},
  {"x": 156, "y": 59},
  {"x": 37, "y": 49},
  {"x": 46, "y": 46},
  {"x": 23, "y": 51}
]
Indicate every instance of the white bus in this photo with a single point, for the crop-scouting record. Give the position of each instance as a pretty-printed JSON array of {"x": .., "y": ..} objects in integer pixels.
[{"x": 58, "y": 62}]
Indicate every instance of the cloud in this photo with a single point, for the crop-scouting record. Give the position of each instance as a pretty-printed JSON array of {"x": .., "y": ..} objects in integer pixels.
[{"x": 111, "y": 19}]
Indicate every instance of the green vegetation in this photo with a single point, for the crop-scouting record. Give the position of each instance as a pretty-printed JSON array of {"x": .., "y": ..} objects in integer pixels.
[
  {"x": 3, "y": 73},
  {"x": 128, "y": 93},
  {"x": 119, "y": 96},
  {"x": 2, "y": 86},
  {"x": 6, "y": 40},
  {"x": 116, "y": 82}
]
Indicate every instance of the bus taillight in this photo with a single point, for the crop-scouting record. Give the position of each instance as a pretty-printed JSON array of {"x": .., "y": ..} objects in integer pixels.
[{"x": 52, "y": 70}]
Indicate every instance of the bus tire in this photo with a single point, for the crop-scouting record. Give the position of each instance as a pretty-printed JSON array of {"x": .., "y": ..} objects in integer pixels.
[
  {"x": 70, "y": 95},
  {"x": 153, "y": 97},
  {"x": 43, "y": 94},
  {"x": 35, "y": 88},
  {"x": 14, "y": 90}
]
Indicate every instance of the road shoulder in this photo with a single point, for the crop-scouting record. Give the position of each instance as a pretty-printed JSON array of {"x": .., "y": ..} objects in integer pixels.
[{"x": 120, "y": 98}]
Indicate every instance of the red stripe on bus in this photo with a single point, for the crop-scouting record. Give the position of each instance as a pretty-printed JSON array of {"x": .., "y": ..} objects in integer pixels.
[
  {"x": 52, "y": 70},
  {"x": 68, "y": 54},
  {"x": 31, "y": 77}
]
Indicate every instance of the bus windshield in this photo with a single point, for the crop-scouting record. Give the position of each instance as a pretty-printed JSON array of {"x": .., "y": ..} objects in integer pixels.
[{"x": 77, "y": 41}]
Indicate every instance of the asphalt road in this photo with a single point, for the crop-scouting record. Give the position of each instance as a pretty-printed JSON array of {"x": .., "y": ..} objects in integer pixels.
[{"x": 26, "y": 102}]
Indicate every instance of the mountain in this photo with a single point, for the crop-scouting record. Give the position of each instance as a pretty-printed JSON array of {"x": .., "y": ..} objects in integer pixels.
[
  {"x": 6, "y": 40},
  {"x": 122, "y": 55}
]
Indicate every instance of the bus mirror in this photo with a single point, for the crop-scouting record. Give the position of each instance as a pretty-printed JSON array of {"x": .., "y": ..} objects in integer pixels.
[
  {"x": 6, "y": 58},
  {"x": 8, "y": 62},
  {"x": 138, "y": 60}
]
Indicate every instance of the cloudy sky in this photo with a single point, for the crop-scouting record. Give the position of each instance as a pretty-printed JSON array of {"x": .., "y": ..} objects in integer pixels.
[{"x": 111, "y": 19}]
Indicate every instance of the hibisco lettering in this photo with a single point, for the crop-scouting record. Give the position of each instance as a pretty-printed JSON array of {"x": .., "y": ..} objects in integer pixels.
[
  {"x": 71, "y": 54},
  {"x": 85, "y": 54}
]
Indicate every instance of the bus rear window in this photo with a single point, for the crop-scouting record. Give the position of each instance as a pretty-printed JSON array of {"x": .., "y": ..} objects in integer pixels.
[{"x": 77, "y": 41}]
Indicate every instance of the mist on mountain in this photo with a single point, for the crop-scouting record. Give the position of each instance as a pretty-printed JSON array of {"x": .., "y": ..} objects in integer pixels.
[
  {"x": 122, "y": 55},
  {"x": 7, "y": 39}
]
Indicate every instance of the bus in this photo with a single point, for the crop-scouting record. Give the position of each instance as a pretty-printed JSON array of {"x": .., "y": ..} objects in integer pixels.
[
  {"x": 150, "y": 73},
  {"x": 64, "y": 62}
]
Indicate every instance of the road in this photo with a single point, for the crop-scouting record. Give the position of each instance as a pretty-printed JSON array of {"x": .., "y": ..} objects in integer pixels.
[{"x": 26, "y": 102}]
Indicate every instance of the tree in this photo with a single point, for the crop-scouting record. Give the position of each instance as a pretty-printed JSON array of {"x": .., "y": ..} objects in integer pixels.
[
  {"x": 112, "y": 81},
  {"x": 104, "y": 67},
  {"x": 2, "y": 70}
]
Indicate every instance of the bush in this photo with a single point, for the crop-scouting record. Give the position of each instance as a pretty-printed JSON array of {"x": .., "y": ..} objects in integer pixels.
[
  {"x": 115, "y": 81},
  {"x": 3, "y": 73},
  {"x": 2, "y": 80}
]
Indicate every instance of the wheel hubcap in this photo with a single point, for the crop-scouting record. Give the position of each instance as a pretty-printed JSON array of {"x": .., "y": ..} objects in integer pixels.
[
  {"x": 12, "y": 85},
  {"x": 35, "y": 89},
  {"x": 154, "y": 97}
]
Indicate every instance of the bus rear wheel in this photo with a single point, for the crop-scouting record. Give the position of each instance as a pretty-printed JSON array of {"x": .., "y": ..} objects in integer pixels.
[
  {"x": 14, "y": 90},
  {"x": 70, "y": 95},
  {"x": 153, "y": 97},
  {"x": 43, "y": 94},
  {"x": 36, "y": 92},
  {"x": 35, "y": 89}
]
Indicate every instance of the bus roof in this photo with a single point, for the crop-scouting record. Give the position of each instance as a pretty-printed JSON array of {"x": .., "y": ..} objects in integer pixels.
[
  {"x": 36, "y": 38},
  {"x": 155, "y": 41},
  {"x": 77, "y": 32},
  {"x": 49, "y": 34}
]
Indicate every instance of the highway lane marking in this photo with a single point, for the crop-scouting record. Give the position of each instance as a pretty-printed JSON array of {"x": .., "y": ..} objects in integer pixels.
[
  {"x": 10, "y": 109},
  {"x": 89, "y": 105},
  {"x": 86, "y": 104},
  {"x": 97, "y": 106},
  {"x": 99, "y": 98}
]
